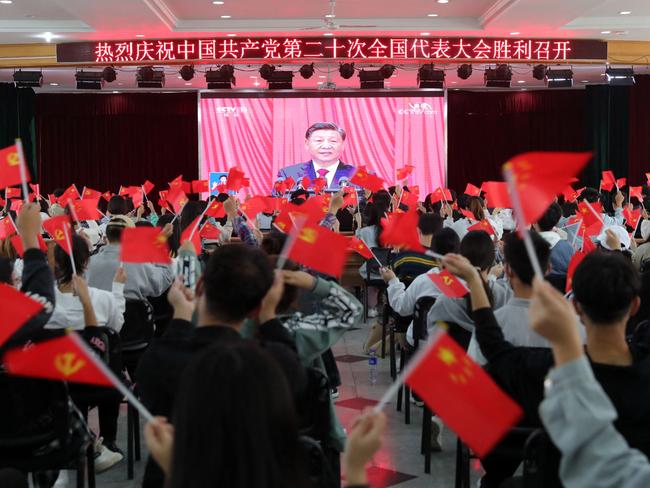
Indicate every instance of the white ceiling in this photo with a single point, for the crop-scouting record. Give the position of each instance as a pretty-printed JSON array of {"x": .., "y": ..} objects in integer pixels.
[{"x": 23, "y": 21}]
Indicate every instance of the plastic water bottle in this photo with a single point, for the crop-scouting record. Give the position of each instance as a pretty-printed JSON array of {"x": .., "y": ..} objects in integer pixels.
[{"x": 372, "y": 366}]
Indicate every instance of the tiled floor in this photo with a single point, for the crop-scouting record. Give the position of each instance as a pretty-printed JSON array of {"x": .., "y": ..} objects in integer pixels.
[{"x": 399, "y": 463}]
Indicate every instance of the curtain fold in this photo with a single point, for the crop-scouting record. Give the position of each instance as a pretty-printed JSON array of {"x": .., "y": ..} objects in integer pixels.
[
  {"x": 639, "y": 140},
  {"x": 17, "y": 120},
  {"x": 106, "y": 140},
  {"x": 487, "y": 128}
]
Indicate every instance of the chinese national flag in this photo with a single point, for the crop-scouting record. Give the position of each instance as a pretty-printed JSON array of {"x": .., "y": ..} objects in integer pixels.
[
  {"x": 577, "y": 257},
  {"x": 144, "y": 245},
  {"x": 7, "y": 228},
  {"x": 360, "y": 247},
  {"x": 86, "y": 209},
  {"x": 215, "y": 209},
  {"x": 350, "y": 199},
  {"x": 472, "y": 191},
  {"x": 91, "y": 194},
  {"x": 483, "y": 225},
  {"x": 17, "y": 242},
  {"x": 200, "y": 186},
  {"x": 280, "y": 187},
  {"x": 147, "y": 186},
  {"x": 409, "y": 199},
  {"x": 10, "y": 167},
  {"x": 12, "y": 193},
  {"x": 315, "y": 208},
  {"x": 462, "y": 394},
  {"x": 636, "y": 191},
  {"x": 235, "y": 179},
  {"x": 58, "y": 227},
  {"x": 320, "y": 249},
  {"x": 17, "y": 308},
  {"x": 36, "y": 188},
  {"x": 284, "y": 220},
  {"x": 16, "y": 205},
  {"x": 192, "y": 231},
  {"x": 209, "y": 231},
  {"x": 365, "y": 180},
  {"x": 540, "y": 176},
  {"x": 632, "y": 217},
  {"x": 319, "y": 184},
  {"x": 289, "y": 183},
  {"x": 590, "y": 218},
  {"x": 469, "y": 215},
  {"x": 441, "y": 194},
  {"x": 137, "y": 198},
  {"x": 403, "y": 173},
  {"x": 57, "y": 359},
  {"x": 71, "y": 193},
  {"x": 400, "y": 230},
  {"x": 496, "y": 193},
  {"x": 177, "y": 199},
  {"x": 621, "y": 182},
  {"x": 587, "y": 244},
  {"x": 107, "y": 195},
  {"x": 608, "y": 180},
  {"x": 272, "y": 204},
  {"x": 253, "y": 206},
  {"x": 176, "y": 183},
  {"x": 305, "y": 182},
  {"x": 448, "y": 284}
]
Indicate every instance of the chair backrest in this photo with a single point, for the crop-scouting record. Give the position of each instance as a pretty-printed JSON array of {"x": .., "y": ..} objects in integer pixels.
[
  {"x": 107, "y": 344},
  {"x": 372, "y": 266},
  {"x": 420, "y": 312},
  {"x": 138, "y": 325}
]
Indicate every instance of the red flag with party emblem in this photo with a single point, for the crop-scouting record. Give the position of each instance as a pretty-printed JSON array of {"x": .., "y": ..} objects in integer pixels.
[
  {"x": 144, "y": 245},
  {"x": 320, "y": 249},
  {"x": 400, "y": 230},
  {"x": 215, "y": 209},
  {"x": 10, "y": 167},
  {"x": 17, "y": 309},
  {"x": 58, "y": 228},
  {"x": 448, "y": 284}
]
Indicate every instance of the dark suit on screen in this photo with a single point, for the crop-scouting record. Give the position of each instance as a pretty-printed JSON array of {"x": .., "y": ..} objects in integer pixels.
[{"x": 300, "y": 170}]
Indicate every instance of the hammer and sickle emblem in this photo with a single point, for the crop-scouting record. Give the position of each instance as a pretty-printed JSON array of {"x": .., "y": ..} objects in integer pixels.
[
  {"x": 308, "y": 235},
  {"x": 68, "y": 364},
  {"x": 58, "y": 235},
  {"x": 13, "y": 159},
  {"x": 447, "y": 280}
]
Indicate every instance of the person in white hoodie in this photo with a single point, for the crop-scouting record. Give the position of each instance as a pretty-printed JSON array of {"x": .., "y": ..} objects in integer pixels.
[{"x": 561, "y": 249}]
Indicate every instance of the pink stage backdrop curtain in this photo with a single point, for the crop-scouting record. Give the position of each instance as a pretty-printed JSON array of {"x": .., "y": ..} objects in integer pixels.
[{"x": 262, "y": 135}]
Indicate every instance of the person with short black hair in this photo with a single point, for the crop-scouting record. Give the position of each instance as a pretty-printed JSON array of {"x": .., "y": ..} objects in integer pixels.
[
  {"x": 561, "y": 250},
  {"x": 408, "y": 265},
  {"x": 592, "y": 195}
]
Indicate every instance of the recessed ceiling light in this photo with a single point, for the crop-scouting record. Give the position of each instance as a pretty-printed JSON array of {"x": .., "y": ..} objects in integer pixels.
[
  {"x": 231, "y": 35},
  {"x": 6, "y": 2},
  {"x": 443, "y": 1},
  {"x": 606, "y": 32},
  {"x": 515, "y": 33},
  {"x": 425, "y": 33},
  {"x": 330, "y": 16},
  {"x": 48, "y": 36},
  {"x": 115, "y": 91},
  {"x": 432, "y": 15},
  {"x": 51, "y": 84},
  {"x": 521, "y": 81},
  {"x": 216, "y": 2},
  {"x": 226, "y": 16},
  {"x": 139, "y": 35},
  {"x": 188, "y": 84},
  {"x": 328, "y": 34},
  {"x": 625, "y": 12}
]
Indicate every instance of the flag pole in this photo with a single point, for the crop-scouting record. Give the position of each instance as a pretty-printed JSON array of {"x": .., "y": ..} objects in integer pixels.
[
  {"x": 412, "y": 364},
  {"x": 23, "y": 170},
  {"x": 131, "y": 398},
  {"x": 593, "y": 211},
  {"x": 198, "y": 221},
  {"x": 381, "y": 265},
  {"x": 524, "y": 233},
  {"x": 69, "y": 244}
]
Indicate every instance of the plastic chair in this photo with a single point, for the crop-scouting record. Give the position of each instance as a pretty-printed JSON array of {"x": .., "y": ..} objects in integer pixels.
[
  {"x": 136, "y": 333},
  {"x": 372, "y": 268}
]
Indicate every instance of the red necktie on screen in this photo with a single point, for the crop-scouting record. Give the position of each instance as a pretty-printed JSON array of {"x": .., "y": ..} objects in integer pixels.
[{"x": 322, "y": 172}]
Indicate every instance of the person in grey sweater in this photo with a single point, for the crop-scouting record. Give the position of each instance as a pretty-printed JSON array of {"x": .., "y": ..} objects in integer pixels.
[{"x": 144, "y": 280}]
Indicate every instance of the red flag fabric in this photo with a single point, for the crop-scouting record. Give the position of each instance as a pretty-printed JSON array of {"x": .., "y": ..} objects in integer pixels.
[
  {"x": 253, "y": 206},
  {"x": 448, "y": 284},
  {"x": 177, "y": 198},
  {"x": 280, "y": 187},
  {"x": 305, "y": 182},
  {"x": 57, "y": 359},
  {"x": 577, "y": 257},
  {"x": 7, "y": 228},
  {"x": 36, "y": 188},
  {"x": 468, "y": 214},
  {"x": 58, "y": 227},
  {"x": 17, "y": 308},
  {"x": 587, "y": 244},
  {"x": 86, "y": 209},
  {"x": 607, "y": 185},
  {"x": 319, "y": 184},
  {"x": 540, "y": 176},
  {"x": 472, "y": 190},
  {"x": 137, "y": 198},
  {"x": 51, "y": 198},
  {"x": 196, "y": 237},
  {"x": 320, "y": 249},
  {"x": 608, "y": 178},
  {"x": 632, "y": 217},
  {"x": 636, "y": 191},
  {"x": 289, "y": 183},
  {"x": 441, "y": 194},
  {"x": 17, "y": 242},
  {"x": 351, "y": 198},
  {"x": 621, "y": 182},
  {"x": 273, "y": 204},
  {"x": 144, "y": 245},
  {"x": 589, "y": 217},
  {"x": 403, "y": 173},
  {"x": 107, "y": 195},
  {"x": 215, "y": 209},
  {"x": 176, "y": 183},
  {"x": 209, "y": 231},
  {"x": 70, "y": 194},
  {"x": 360, "y": 247},
  {"x": 147, "y": 186},
  {"x": 365, "y": 180},
  {"x": 12, "y": 193},
  {"x": 89, "y": 193},
  {"x": 400, "y": 230},
  {"x": 200, "y": 186},
  {"x": 409, "y": 199},
  {"x": 570, "y": 195},
  {"x": 483, "y": 225},
  {"x": 16, "y": 205},
  {"x": 10, "y": 167},
  {"x": 235, "y": 179},
  {"x": 462, "y": 394}
]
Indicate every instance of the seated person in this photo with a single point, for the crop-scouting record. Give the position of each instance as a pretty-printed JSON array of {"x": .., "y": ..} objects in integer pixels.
[
  {"x": 561, "y": 250},
  {"x": 410, "y": 264}
]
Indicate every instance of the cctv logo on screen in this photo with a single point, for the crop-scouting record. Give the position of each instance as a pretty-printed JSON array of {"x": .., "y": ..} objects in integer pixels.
[
  {"x": 415, "y": 109},
  {"x": 231, "y": 111}
]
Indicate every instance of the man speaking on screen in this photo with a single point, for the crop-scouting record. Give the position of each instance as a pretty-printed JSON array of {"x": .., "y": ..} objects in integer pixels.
[{"x": 324, "y": 141}]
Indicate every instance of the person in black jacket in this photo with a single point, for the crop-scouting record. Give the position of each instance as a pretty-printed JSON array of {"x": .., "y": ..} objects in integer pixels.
[
  {"x": 238, "y": 282},
  {"x": 606, "y": 292}
]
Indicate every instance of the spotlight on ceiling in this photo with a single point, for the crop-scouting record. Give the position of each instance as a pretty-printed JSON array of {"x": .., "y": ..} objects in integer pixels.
[
  {"x": 346, "y": 70},
  {"x": 187, "y": 72},
  {"x": 464, "y": 71},
  {"x": 620, "y": 76},
  {"x": 429, "y": 77},
  {"x": 25, "y": 79},
  {"x": 373, "y": 79},
  {"x": 498, "y": 77},
  {"x": 307, "y": 71},
  {"x": 559, "y": 78},
  {"x": 148, "y": 77},
  {"x": 539, "y": 71},
  {"x": 109, "y": 74},
  {"x": 222, "y": 78},
  {"x": 277, "y": 80},
  {"x": 89, "y": 80},
  {"x": 387, "y": 70}
]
